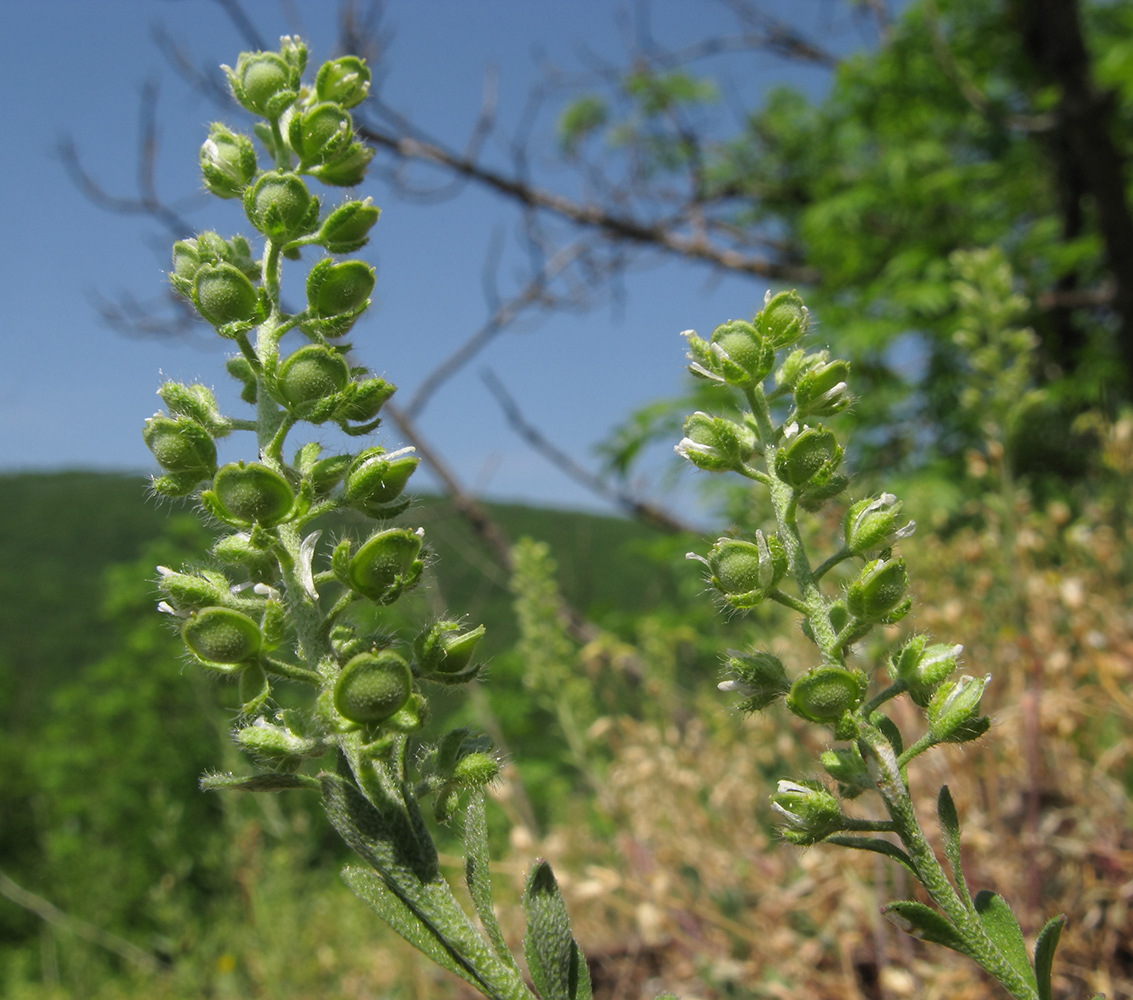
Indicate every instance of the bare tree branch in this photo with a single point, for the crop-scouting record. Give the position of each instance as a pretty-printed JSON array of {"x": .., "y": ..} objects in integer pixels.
[
  {"x": 80, "y": 928},
  {"x": 640, "y": 509}
]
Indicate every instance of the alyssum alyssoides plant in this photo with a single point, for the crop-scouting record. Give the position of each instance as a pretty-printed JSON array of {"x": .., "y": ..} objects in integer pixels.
[
  {"x": 273, "y": 606},
  {"x": 781, "y": 445}
]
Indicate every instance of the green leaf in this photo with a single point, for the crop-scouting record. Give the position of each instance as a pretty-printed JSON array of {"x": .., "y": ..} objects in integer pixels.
[
  {"x": 557, "y": 966},
  {"x": 369, "y": 887},
  {"x": 925, "y": 923},
  {"x": 950, "y": 827},
  {"x": 384, "y": 840},
  {"x": 1044, "y": 954},
  {"x": 1000, "y": 924},
  {"x": 476, "y": 874},
  {"x": 266, "y": 782},
  {"x": 876, "y": 845}
]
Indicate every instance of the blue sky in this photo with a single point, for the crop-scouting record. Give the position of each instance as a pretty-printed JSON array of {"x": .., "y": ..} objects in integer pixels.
[{"x": 74, "y": 394}]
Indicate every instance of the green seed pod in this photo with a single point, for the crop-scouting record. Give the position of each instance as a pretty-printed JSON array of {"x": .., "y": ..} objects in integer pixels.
[
  {"x": 879, "y": 592},
  {"x": 759, "y": 678},
  {"x": 180, "y": 445},
  {"x": 872, "y": 524},
  {"x": 335, "y": 289},
  {"x": 741, "y": 354},
  {"x": 784, "y": 318},
  {"x": 366, "y": 400},
  {"x": 954, "y": 712},
  {"x": 345, "y": 80},
  {"x": 320, "y": 133},
  {"x": 280, "y": 206},
  {"x": 821, "y": 390},
  {"x": 923, "y": 668},
  {"x": 228, "y": 162},
  {"x": 746, "y": 572},
  {"x": 347, "y": 228},
  {"x": 265, "y": 83},
  {"x": 804, "y": 455},
  {"x": 716, "y": 444},
  {"x": 387, "y": 564},
  {"x": 312, "y": 373},
  {"x": 223, "y": 294},
  {"x": 825, "y": 694},
  {"x": 845, "y": 765},
  {"x": 809, "y": 811},
  {"x": 253, "y": 492},
  {"x": 221, "y": 636},
  {"x": 373, "y": 687},
  {"x": 348, "y": 168},
  {"x": 444, "y": 653},
  {"x": 375, "y": 479}
]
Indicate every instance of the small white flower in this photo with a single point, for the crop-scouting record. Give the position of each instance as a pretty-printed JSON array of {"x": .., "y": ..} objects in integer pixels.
[{"x": 306, "y": 556}]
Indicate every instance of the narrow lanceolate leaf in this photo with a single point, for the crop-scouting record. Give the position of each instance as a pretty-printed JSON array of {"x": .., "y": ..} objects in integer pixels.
[
  {"x": 923, "y": 922},
  {"x": 267, "y": 782},
  {"x": 554, "y": 959},
  {"x": 476, "y": 860},
  {"x": 431, "y": 912},
  {"x": 1044, "y": 954},
  {"x": 950, "y": 827},
  {"x": 876, "y": 845},
  {"x": 1001, "y": 925}
]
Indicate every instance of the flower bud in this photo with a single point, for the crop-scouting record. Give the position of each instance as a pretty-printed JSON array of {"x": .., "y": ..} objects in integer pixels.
[
  {"x": 746, "y": 572},
  {"x": 879, "y": 593},
  {"x": 784, "y": 318},
  {"x": 364, "y": 400},
  {"x": 278, "y": 744},
  {"x": 793, "y": 366},
  {"x": 180, "y": 445},
  {"x": 280, "y": 206},
  {"x": 240, "y": 549},
  {"x": 186, "y": 263},
  {"x": 759, "y": 679},
  {"x": 715, "y": 444},
  {"x": 175, "y": 484},
  {"x": 924, "y": 668},
  {"x": 387, "y": 564},
  {"x": 845, "y": 765},
  {"x": 265, "y": 83},
  {"x": 223, "y": 294},
  {"x": 310, "y": 374},
  {"x": 241, "y": 370},
  {"x": 228, "y": 162},
  {"x": 221, "y": 636},
  {"x": 193, "y": 401},
  {"x": 320, "y": 133},
  {"x": 444, "y": 653},
  {"x": 191, "y": 591},
  {"x": 810, "y": 812},
  {"x": 345, "y": 80},
  {"x": 954, "y": 712},
  {"x": 872, "y": 524},
  {"x": 338, "y": 289},
  {"x": 348, "y": 168},
  {"x": 376, "y": 479},
  {"x": 821, "y": 390},
  {"x": 825, "y": 694},
  {"x": 804, "y": 455},
  {"x": 347, "y": 228},
  {"x": 327, "y": 473},
  {"x": 252, "y": 493},
  {"x": 475, "y": 770},
  {"x": 372, "y": 687},
  {"x": 742, "y": 356}
]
